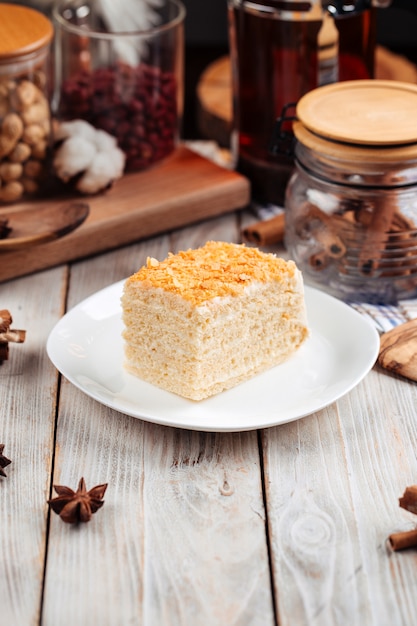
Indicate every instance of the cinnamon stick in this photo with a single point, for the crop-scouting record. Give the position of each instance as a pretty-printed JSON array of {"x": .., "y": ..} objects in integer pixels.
[
  {"x": 266, "y": 232},
  {"x": 319, "y": 260},
  {"x": 331, "y": 243},
  {"x": 318, "y": 225},
  {"x": 379, "y": 225},
  {"x": 403, "y": 540}
]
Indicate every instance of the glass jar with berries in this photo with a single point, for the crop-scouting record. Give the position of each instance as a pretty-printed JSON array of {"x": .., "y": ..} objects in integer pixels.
[{"x": 123, "y": 74}]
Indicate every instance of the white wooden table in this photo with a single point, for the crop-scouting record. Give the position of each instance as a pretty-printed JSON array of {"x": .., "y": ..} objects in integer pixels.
[{"x": 285, "y": 526}]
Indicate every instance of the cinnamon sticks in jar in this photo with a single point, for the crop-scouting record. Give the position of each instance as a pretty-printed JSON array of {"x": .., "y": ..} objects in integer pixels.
[
  {"x": 356, "y": 180},
  {"x": 360, "y": 243}
]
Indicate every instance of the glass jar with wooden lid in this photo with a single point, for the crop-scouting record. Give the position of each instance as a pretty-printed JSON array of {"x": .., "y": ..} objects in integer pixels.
[
  {"x": 351, "y": 204},
  {"x": 25, "y": 118}
]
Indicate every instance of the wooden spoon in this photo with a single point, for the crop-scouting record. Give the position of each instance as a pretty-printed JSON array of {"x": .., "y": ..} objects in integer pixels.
[{"x": 32, "y": 225}]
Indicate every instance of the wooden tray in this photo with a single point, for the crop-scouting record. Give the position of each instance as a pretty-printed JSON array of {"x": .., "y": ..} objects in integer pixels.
[{"x": 184, "y": 189}]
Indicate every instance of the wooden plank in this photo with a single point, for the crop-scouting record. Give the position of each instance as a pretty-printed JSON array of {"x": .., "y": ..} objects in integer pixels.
[
  {"x": 311, "y": 524},
  {"x": 381, "y": 441},
  {"x": 28, "y": 388},
  {"x": 185, "y": 189},
  {"x": 181, "y": 537},
  {"x": 205, "y": 549},
  {"x": 332, "y": 485}
]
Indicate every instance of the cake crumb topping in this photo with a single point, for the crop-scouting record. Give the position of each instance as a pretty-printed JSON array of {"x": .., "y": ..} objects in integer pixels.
[{"x": 216, "y": 269}]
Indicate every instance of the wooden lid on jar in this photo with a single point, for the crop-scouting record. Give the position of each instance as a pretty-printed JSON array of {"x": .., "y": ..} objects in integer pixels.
[
  {"x": 362, "y": 112},
  {"x": 22, "y": 31},
  {"x": 354, "y": 153}
]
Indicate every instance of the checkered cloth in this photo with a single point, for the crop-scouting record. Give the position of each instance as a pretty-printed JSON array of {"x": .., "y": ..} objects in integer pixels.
[{"x": 386, "y": 316}]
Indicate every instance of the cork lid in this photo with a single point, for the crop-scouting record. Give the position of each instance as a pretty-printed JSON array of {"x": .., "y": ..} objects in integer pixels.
[
  {"x": 22, "y": 30},
  {"x": 364, "y": 112}
]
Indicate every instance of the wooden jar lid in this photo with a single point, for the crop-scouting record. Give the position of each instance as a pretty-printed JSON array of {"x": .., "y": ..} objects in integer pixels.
[
  {"x": 22, "y": 31},
  {"x": 362, "y": 112},
  {"x": 354, "y": 153}
]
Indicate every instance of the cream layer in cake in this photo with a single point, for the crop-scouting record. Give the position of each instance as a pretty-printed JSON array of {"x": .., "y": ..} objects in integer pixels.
[{"x": 205, "y": 320}]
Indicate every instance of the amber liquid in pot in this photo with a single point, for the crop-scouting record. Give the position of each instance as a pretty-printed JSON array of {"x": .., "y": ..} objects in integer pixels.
[{"x": 275, "y": 62}]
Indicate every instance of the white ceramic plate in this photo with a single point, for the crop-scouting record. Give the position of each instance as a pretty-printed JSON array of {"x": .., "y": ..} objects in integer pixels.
[{"x": 87, "y": 348}]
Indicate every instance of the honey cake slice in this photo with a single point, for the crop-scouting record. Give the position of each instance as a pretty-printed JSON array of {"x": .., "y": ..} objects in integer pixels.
[{"x": 205, "y": 320}]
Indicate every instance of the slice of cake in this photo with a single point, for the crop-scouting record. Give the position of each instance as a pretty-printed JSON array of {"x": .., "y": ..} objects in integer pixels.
[{"x": 204, "y": 320}]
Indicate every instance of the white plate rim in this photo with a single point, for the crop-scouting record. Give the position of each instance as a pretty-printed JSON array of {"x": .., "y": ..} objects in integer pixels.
[{"x": 204, "y": 416}]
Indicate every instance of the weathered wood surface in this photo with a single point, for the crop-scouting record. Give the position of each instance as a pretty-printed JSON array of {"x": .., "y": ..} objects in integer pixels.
[
  {"x": 285, "y": 526},
  {"x": 28, "y": 397}
]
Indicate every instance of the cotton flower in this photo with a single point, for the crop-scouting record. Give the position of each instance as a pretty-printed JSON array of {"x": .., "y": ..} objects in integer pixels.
[
  {"x": 101, "y": 171},
  {"x": 87, "y": 151},
  {"x": 75, "y": 155},
  {"x": 78, "y": 128}
]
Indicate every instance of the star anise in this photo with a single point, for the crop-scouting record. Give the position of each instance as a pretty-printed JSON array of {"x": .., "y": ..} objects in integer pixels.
[
  {"x": 4, "y": 461},
  {"x": 77, "y": 506}
]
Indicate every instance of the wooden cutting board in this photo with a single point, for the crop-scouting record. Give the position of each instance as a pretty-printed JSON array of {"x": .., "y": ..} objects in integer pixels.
[{"x": 184, "y": 189}]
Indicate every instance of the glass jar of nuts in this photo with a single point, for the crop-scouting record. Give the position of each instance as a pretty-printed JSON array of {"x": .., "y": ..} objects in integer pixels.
[
  {"x": 25, "y": 118},
  {"x": 351, "y": 204}
]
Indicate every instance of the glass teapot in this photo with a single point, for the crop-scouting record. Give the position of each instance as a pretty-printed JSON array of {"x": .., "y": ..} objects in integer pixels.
[{"x": 280, "y": 50}]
